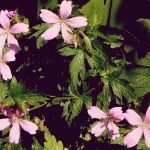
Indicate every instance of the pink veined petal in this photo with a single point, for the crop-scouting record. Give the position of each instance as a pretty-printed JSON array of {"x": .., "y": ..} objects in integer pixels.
[
  {"x": 19, "y": 112},
  {"x": 96, "y": 113},
  {"x": 132, "y": 138},
  {"x": 52, "y": 32},
  {"x": 4, "y": 123},
  {"x": 116, "y": 114},
  {"x": 98, "y": 129},
  {"x": 147, "y": 136},
  {"x": 147, "y": 116},
  {"x": 14, "y": 134},
  {"x": 5, "y": 71},
  {"x": 12, "y": 43},
  {"x": 65, "y": 9},
  {"x": 19, "y": 28},
  {"x": 4, "y": 21},
  {"x": 7, "y": 112},
  {"x": 4, "y": 12},
  {"x": 66, "y": 33},
  {"x": 9, "y": 56},
  {"x": 77, "y": 22},
  {"x": 3, "y": 37},
  {"x": 28, "y": 126},
  {"x": 113, "y": 130},
  {"x": 132, "y": 117},
  {"x": 48, "y": 16}
]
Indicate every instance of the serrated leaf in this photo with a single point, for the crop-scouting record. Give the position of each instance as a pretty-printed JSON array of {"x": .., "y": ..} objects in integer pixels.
[
  {"x": 121, "y": 89},
  {"x": 87, "y": 100},
  {"x": 143, "y": 61},
  {"x": 139, "y": 79},
  {"x": 76, "y": 109},
  {"x": 67, "y": 51},
  {"x": 77, "y": 69},
  {"x": 51, "y": 142},
  {"x": 104, "y": 98}
]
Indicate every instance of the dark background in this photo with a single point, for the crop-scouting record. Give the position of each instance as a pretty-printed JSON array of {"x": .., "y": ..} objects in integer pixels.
[{"x": 55, "y": 69}]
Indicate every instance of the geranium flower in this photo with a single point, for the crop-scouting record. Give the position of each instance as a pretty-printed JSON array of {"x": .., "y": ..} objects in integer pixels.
[
  {"x": 9, "y": 14},
  {"x": 4, "y": 68},
  {"x": 61, "y": 23},
  {"x": 132, "y": 138},
  {"x": 8, "y": 32},
  {"x": 106, "y": 120},
  {"x": 16, "y": 121}
]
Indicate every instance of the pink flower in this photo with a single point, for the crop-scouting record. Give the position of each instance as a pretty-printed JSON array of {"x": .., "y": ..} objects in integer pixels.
[
  {"x": 4, "y": 68},
  {"x": 106, "y": 121},
  {"x": 8, "y": 32},
  {"x": 16, "y": 121},
  {"x": 61, "y": 23},
  {"x": 9, "y": 14},
  {"x": 132, "y": 138}
]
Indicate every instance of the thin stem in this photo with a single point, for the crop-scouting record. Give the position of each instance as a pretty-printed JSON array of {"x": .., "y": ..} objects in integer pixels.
[{"x": 109, "y": 15}]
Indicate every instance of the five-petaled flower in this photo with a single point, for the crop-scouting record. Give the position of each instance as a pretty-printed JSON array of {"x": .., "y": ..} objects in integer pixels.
[
  {"x": 132, "y": 138},
  {"x": 8, "y": 32},
  {"x": 16, "y": 121},
  {"x": 106, "y": 120},
  {"x": 61, "y": 23}
]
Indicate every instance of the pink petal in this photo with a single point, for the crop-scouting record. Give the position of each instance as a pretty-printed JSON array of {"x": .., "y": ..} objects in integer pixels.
[
  {"x": 98, "y": 129},
  {"x": 77, "y": 22},
  {"x": 5, "y": 71},
  {"x": 65, "y": 9},
  {"x": 132, "y": 138},
  {"x": 48, "y": 16},
  {"x": 147, "y": 136},
  {"x": 28, "y": 126},
  {"x": 52, "y": 32},
  {"x": 113, "y": 130},
  {"x": 96, "y": 113},
  {"x": 3, "y": 37},
  {"x": 19, "y": 28},
  {"x": 4, "y": 123},
  {"x": 66, "y": 33},
  {"x": 12, "y": 43},
  {"x": 4, "y": 12},
  {"x": 116, "y": 114},
  {"x": 147, "y": 116},
  {"x": 132, "y": 117},
  {"x": 4, "y": 21},
  {"x": 14, "y": 134},
  {"x": 19, "y": 112},
  {"x": 9, "y": 56},
  {"x": 7, "y": 112}
]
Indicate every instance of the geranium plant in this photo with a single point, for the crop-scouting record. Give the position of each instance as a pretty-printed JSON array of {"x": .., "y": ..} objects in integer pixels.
[{"x": 72, "y": 76}]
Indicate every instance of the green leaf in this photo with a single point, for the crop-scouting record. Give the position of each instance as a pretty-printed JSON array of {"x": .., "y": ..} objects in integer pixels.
[
  {"x": 104, "y": 98},
  {"x": 139, "y": 79},
  {"x": 87, "y": 100},
  {"x": 114, "y": 40},
  {"x": 145, "y": 23},
  {"x": 36, "y": 145},
  {"x": 76, "y": 109},
  {"x": 121, "y": 89},
  {"x": 143, "y": 61},
  {"x": 51, "y": 142},
  {"x": 67, "y": 51},
  {"x": 96, "y": 11},
  {"x": 77, "y": 69},
  {"x": 15, "y": 88},
  {"x": 3, "y": 91}
]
